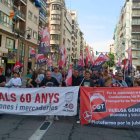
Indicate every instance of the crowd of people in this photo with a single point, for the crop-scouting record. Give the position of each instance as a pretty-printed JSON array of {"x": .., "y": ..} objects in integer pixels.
[{"x": 57, "y": 77}]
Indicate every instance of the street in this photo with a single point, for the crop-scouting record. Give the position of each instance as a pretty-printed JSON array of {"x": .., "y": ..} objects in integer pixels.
[{"x": 13, "y": 127}]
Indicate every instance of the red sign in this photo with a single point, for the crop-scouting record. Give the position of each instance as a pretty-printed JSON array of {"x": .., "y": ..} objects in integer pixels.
[{"x": 117, "y": 107}]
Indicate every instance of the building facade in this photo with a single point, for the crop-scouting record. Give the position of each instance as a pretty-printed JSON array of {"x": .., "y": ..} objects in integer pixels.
[
  {"x": 20, "y": 34},
  {"x": 127, "y": 32},
  {"x": 64, "y": 31}
]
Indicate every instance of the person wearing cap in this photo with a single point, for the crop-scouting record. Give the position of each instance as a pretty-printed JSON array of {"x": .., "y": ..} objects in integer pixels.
[
  {"x": 118, "y": 80},
  {"x": 2, "y": 79},
  {"x": 15, "y": 81}
]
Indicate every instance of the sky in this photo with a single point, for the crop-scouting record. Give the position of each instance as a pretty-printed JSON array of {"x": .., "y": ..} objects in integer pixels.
[{"x": 97, "y": 20}]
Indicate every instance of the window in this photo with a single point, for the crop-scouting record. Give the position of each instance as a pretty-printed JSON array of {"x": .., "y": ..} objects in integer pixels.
[
  {"x": 56, "y": 7},
  {"x": 34, "y": 34},
  {"x": 10, "y": 43},
  {"x": 55, "y": 27},
  {"x": 35, "y": 19},
  {"x": 136, "y": 12},
  {"x": 135, "y": 21},
  {"x": 5, "y": 20},
  {"x": 55, "y": 17},
  {"x": 0, "y": 40},
  {"x": 30, "y": 14},
  {"x": 29, "y": 31},
  {"x": 55, "y": 37},
  {"x": 8, "y": 3}
]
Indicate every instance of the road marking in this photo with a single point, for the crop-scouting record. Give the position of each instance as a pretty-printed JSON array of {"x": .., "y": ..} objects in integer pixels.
[{"x": 41, "y": 130}]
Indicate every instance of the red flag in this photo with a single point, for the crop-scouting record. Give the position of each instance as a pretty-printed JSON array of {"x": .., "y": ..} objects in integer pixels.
[
  {"x": 100, "y": 60},
  {"x": 17, "y": 65},
  {"x": 41, "y": 59},
  {"x": 92, "y": 58},
  {"x": 45, "y": 36},
  {"x": 81, "y": 60},
  {"x": 62, "y": 61},
  {"x": 126, "y": 64},
  {"x": 32, "y": 52},
  {"x": 88, "y": 57},
  {"x": 69, "y": 77}
]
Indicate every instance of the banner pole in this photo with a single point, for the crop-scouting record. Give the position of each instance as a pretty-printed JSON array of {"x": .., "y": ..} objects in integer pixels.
[{"x": 82, "y": 81}]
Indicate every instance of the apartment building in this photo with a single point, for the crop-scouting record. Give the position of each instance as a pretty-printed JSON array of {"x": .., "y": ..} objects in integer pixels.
[
  {"x": 19, "y": 34},
  {"x": 8, "y": 36},
  {"x": 66, "y": 34},
  {"x": 60, "y": 24},
  {"x": 127, "y": 32},
  {"x": 74, "y": 37},
  {"x": 31, "y": 28},
  {"x": 56, "y": 15},
  {"x": 43, "y": 20}
]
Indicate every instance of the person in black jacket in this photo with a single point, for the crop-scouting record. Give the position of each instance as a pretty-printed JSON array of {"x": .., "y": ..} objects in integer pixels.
[
  {"x": 76, "y": 79},
  {"x": 2, "y": 79},
  {"x": 49, "y": 81},
  {"x": 87, "y": 82}
]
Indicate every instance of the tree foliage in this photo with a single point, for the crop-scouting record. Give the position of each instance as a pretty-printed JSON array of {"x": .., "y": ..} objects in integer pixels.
[{"x": 111, "y": 61}]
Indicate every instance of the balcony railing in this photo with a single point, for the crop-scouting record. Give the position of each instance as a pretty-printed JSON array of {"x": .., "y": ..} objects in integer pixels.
[
  {"x": 136, "y": 14},
  {"x": 8, "y": 25},
  {"x": 19, "y": 31},
  {"x": 25, "y": 1},
  {"x": 135, "y": 48},
  {"x": 136, "y": 6},
  {"x": 19, "y": 13},
  {"x": 6, "y": 3}
]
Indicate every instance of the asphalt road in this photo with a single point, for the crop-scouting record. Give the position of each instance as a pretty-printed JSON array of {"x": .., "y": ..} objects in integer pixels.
[{"x": 13, "y": 127}]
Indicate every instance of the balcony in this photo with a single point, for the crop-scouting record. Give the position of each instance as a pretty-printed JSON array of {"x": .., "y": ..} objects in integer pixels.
[
  {"x": 19, "y": 32},
  {"x": 6, "y": 26},
  {"x": 42, "y": 17},
  {"x": 55, "y": 32},
  {"x": 135, "y": 40},
  {"x": 134, "y": 23},
  {"x": 58, "y": 12},
  {"x": 135, "y": 15},
  {"x": 54, "y": 1},
  {"x": 6, "y": 3},
  {"x": 24, "y": 2},
  {"x": 136, "y": 6},
  {"x": 55, "y": 22},
  {"x": 19, "y": 14},
  {"x": 135, "y": 49},
  {"x": 135, "y": 56},
  {"x": 54, "y": 42},
  {"x": 43, "y": 4}
]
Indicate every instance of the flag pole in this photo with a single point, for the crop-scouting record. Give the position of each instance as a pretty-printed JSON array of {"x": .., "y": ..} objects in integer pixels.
[{"x": 82, "y": 81}]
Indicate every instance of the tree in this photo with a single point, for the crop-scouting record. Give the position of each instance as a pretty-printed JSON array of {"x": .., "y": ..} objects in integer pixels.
[{"x": 111, "y": 61}]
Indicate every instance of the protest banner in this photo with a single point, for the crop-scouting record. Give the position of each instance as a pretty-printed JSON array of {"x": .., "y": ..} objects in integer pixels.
[
  {"x": 39, "y": 101},
  {"x": 115, "y": 107}
]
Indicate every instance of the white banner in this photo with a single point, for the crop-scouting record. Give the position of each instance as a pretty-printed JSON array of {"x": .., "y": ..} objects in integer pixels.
[{"x": 39, "y": 101}]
